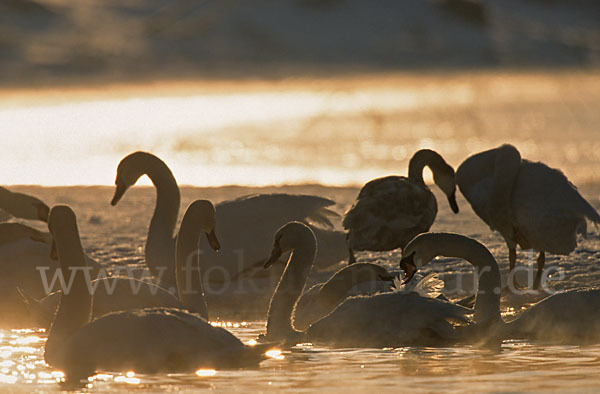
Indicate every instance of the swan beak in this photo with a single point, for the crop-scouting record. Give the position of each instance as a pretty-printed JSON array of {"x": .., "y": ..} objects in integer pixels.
[
  {"x": 43, "y": 212},
  {"x": 407, "y": 265},
  {"x": 53, "y": 251},
  {"x": 452, "y": 202},
  {"x": 275, "y": 255},
  {"x": 213, "y": 241},
  {"x": 119, "y": 191}
]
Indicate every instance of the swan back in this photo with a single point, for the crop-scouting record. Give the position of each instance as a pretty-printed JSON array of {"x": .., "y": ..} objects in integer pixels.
[
  {"x": 388, "y": 320},
  {"x": 567, "y": 317},
  {"x": 322, "y": 298}
]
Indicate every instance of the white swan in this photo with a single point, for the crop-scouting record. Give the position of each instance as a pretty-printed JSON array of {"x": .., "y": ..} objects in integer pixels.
[
  {"x": 322, "y": 298},
  {"x": 388, "y": 319},
  {"x": 566, "y": 317},
  {"x": 245, "y": 223},
  {"x": 529, "y": 203},
  {"x": 147, "y": 340},
  {"x": 390, "y": 211}
]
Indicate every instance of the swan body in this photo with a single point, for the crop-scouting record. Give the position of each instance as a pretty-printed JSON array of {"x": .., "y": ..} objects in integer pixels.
[
  {"x": 392, "y": 210},
  {"x": 322, "y": 298},
  {"x": 388, "y": 319},
  {"x": 566, "y": 317},
  {"x": 529, "y": 203},
  {"x": 245, "y": 222},
  {"x": 147, "y": 340}
]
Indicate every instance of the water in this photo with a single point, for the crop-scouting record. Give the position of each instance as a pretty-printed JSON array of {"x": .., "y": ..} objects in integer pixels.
[
  {"x": 518, "y": 366},
  {"x": 338, "y": 132}
]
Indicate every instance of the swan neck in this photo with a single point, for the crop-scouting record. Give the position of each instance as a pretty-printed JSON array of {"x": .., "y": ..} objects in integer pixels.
[
  {"x": 288, "y": 290},
  {"x": 75, "y": 305},
  {"x": 160, "y": 243},
  {"x": 487, "y": 301},
  {"x": 188, "y": 274},
  {"x": 420, "y": 159}
]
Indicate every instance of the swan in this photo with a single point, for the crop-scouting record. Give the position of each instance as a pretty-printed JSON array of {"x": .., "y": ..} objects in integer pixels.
[
  {"x": 322, "y": 298},
  {"x": 528, "y": 203},
  {"x": 24, "y": 255},
  {"x": 23, "y": 206},
  {"x": 565, "y": 317},
  {"x": 125, "y": 293},
  {"x": 390, "y": 211},
  {"x": 245, "y": 223},
  {"x": 387, "y": 319},
  {"x": 147, "y": 340}
]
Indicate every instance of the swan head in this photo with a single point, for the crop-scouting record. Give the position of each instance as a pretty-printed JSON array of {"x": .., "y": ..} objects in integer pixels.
[
  {"x": 62, "y": 223},
  {"x": 445, "y": 178},
  {"x": 130, "y": 169},
  {"x": 203, "y": 213},
  {"x": 287, "y": 238},
  {"x": 418, "y": 252}
]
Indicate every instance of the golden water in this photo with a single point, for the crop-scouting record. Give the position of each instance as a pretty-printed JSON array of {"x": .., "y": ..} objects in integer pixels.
[{"x": 518, "y": 366}]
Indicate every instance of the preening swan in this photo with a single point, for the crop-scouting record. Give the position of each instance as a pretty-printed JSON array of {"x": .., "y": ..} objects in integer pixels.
[
  {"x": 529, "y": 203},
  {"x": 246, "y": 224},
  {"x": 148, "y": 340},
  {"x": 392, "y": 210},
  {"x": 23, "y": 206},
  {"x": 566, "y": 317},
  {"x": 388, "y": 319}
]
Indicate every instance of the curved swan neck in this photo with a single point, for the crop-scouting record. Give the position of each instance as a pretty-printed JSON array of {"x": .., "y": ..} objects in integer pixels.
[
  {"x": 75, "y": 306},
  {"x": 159, "y": 244},
  {"x": 289, "y": 289},
  {"x": 487, "y": 302},
  {"x": 188, "y": 273},
  {"x": 422, "y": 158}
]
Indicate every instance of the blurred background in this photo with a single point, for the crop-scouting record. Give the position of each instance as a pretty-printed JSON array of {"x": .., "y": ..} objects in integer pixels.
[{"x": 293, "y": 91}]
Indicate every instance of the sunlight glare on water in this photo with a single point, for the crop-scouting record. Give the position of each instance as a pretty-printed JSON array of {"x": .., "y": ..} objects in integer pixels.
[
  {"x": 517, "y": 366},
  {"x": 336, "y": 132}
]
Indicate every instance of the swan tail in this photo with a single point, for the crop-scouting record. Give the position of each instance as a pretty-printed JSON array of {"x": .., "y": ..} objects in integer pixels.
[{"x": 35, "y": 308}]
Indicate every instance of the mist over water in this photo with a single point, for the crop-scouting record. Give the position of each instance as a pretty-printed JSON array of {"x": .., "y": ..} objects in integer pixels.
[{"x": 337, "y": 132}]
